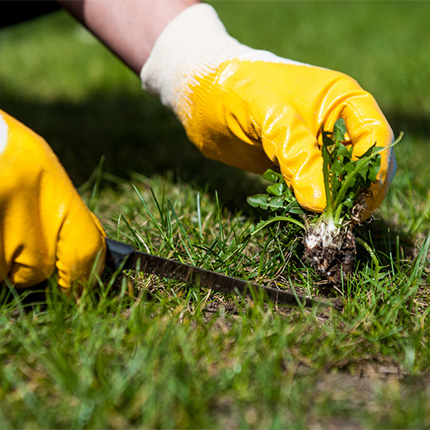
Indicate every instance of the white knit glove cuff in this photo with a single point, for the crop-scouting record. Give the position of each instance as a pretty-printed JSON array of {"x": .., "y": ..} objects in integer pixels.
[
  {"x": 4, "y": 129},
  {"x": 194, "y": 43}
]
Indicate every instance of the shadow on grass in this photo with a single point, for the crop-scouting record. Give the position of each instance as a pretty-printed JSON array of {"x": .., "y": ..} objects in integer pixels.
[{"x": 134, "y": 133}]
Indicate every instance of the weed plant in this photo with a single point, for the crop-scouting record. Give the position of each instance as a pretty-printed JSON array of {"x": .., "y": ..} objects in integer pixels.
[
  {"x": 164, "y": 354},
  {"x": 143, "y": 352}
]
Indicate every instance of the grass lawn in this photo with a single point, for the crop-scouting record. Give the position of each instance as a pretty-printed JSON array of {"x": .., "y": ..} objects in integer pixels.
[{"x": 141, "y": 352}]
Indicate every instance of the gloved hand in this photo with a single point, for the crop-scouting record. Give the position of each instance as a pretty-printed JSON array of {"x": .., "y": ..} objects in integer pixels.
[
  {"x": 254, "y": 110},
  {"x": 43, "y": 221}
]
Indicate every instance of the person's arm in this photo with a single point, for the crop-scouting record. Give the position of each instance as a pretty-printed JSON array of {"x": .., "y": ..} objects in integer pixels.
[
  {"x": 247, "y": 108},
  {"x": 128, "y": 28}
]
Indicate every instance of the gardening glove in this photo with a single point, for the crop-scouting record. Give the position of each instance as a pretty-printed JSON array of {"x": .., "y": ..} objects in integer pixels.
[
  {"x": 254, "y": 110},
  {"x": 43, "y": 222}
]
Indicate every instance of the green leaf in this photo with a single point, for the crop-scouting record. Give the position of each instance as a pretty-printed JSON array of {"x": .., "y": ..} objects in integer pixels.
[
  {"x": 345, "y": 178},
  {"x": 373, "y": 170},
  {"x": 339, "y": 130},
  {"x": 343, "y": 151},
  {"x": 349, "y": 167},
  {"x": 325, "y": 150},
  {"x": 277, "y": 203},
  {"x": 277, "y": 189},
  {"x": 258, "y": 201},
  {"x": 294, "y": 208},
  {"x": 272, "y": 176}
]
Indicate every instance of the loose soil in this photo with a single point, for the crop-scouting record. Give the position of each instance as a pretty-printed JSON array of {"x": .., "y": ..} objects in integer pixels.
[{"x": 332, "y": 256}]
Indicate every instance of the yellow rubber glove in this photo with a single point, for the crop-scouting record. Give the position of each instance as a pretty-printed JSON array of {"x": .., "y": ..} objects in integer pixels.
[
  {"x": 254, "y": 110},
  {"x": 43, "y": 221}
]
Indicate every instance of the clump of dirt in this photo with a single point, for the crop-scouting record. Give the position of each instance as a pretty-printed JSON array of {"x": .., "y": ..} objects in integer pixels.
[{"x": 331, "y": 252}]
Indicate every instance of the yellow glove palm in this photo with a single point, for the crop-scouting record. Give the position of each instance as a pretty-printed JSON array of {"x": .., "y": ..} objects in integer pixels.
[{"x": 43, "y": 221}]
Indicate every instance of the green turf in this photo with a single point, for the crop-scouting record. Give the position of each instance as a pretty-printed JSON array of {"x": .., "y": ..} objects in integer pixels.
[{"x": 171, "y": 356}]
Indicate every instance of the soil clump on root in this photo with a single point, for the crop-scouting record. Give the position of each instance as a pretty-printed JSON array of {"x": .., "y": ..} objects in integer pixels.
[{"x": 331, "y": 253}]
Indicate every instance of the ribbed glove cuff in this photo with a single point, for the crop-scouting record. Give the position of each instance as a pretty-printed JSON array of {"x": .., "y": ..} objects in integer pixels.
[
  {"x": 195, "y": 43},
  {"x": 4, "y": 129}
]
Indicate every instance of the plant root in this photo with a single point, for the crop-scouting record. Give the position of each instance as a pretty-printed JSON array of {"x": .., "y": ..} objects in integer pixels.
[{"x": 331, "y": 252}]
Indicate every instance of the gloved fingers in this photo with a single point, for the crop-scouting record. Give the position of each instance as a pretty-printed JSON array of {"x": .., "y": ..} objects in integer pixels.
[
  {"x": 290, "y": 144},
  {"x": 78, "y": 254},
  {"x": 43, "y": 221},
  {"x": 364, "y": 120},
  {"x": 81, "y": 248},
  {"x": 366, "y": 126},
  {"x": 22, "y": 275}
]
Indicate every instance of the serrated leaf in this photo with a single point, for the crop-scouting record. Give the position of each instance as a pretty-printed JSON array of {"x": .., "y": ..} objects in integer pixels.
[
  {"x": 363, "y": 173},
  {"x": 349, "y": 167},
  {"x": 373, "y": 171},
  {"x": 339, "y": 130},
  {"x": 343, "y": 151},
  {"x": 345, "y": 178}
]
